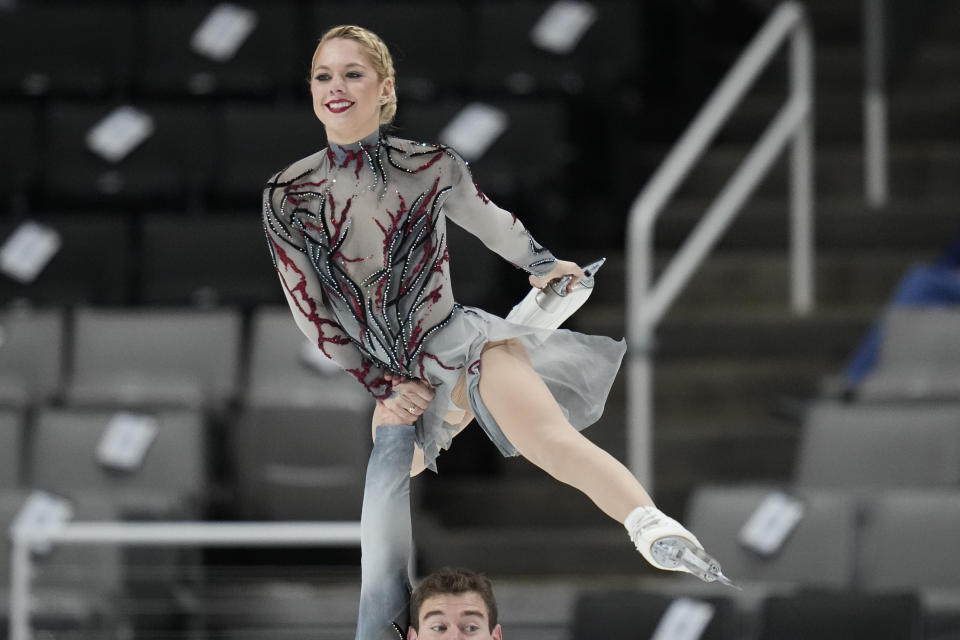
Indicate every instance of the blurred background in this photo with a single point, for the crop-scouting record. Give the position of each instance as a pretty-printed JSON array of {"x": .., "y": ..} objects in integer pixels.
[{"x": 150, "y": 370}]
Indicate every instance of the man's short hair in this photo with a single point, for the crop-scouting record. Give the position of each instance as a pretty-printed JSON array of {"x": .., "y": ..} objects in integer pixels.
[{"x": 455, "y": 582}]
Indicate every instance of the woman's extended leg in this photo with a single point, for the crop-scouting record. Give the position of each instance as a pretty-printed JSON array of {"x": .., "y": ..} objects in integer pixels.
[{"x": 530, "y": 418}]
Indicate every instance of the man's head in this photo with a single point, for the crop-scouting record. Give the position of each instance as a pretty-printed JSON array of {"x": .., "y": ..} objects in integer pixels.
[{"x": 454, "y": 603}]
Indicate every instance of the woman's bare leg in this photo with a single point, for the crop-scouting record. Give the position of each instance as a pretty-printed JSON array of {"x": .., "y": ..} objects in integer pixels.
[{"x": 530, "y": 418}]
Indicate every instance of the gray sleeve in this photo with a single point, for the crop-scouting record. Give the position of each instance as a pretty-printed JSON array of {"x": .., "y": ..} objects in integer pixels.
[{"x": 497, "y": 228}]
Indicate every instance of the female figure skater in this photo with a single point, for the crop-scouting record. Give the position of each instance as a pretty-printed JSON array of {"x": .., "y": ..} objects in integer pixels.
[{"x": 357, "y": 233}]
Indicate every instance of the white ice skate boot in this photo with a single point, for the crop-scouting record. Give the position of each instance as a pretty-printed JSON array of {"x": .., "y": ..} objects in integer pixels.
[
  {"x": 549, "y": 307},
  {"x": 667, "y": 545}
]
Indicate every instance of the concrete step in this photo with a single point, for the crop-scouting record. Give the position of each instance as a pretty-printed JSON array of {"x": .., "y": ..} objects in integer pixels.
[
  {"x": 742, "y": 333},
  {"x": 840, "y": 223},
  {"x": 935, "y": 66},
  {"x": 686, "y": 453},
  {"x": 758, "y": 281},
  {"x": 927, "y": 112},
  {"x": 916, "y": 170},
  {"x": 541, "y": 551}
]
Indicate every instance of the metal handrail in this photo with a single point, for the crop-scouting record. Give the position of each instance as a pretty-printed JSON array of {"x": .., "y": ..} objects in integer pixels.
[
  {"x": 208, "y": 534},
  {"x": 646, "y": 303}
]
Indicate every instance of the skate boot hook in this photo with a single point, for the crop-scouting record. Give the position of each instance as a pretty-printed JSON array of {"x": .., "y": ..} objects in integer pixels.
[
  {"x": 675, "y": 552},
  {"x": 668, "y": 545}
]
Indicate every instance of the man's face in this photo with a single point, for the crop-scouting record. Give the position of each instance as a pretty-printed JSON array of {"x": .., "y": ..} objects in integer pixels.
[{"x": 454, "y": 617}]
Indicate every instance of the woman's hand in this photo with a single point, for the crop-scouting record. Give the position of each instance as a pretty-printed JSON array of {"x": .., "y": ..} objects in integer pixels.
[
  {"x": 560, "y": 269},
  {"x": 410, "y": 398}
]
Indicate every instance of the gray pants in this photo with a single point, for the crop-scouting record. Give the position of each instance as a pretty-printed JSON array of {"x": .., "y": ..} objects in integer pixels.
[{"x": 386, "y": 537}]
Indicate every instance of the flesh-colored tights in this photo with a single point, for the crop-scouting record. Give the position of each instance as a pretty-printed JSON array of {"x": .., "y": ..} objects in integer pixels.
[
  {"x": 533, "y": 422},
  {"x": 530, "y": 418}
]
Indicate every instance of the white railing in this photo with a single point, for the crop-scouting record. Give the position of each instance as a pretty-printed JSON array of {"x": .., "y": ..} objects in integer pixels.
[
  {"x": 208, "y": 534},
  {"x": 875, "y": 154},
  {"x": 647, "y": 303}
]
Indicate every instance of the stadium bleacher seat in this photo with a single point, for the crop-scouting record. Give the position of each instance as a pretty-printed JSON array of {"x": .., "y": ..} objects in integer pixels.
[
  {"x": 842, "y": 615},
  {"x": 19, "y": 153},
  {"x": 170, "y": 166},
  {"x": 11, "y": 448},
  {"x": 302, "y": 440},
  {"x": 278, "y": 373},
  {"x": 429, "y": 40},
  {"x": 303, "y": 463},
  {"x": 909, "y": 541},
  {"x": 171, "y": 481},
  {"x": 258, "y": 141},
  {"x": 630, "y": 614},
  {"x": 92, "y": 265},
  {"x": 919, "y": 356},
  {"x": 135, "y": 357},
  {"x": 31, "y": 356},
  {"x": 879, "y": 446},
  {"x": 265, "y": 64},
  {"x": 214, "y": 259},
  {"x": 717, "y": 513},
  {"x": 67, "y": 48},
  {"x": 601, "y": 62},
  {"x": 524, "y": 166}
]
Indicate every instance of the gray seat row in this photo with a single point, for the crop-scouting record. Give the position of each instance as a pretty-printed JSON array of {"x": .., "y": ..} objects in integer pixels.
[
  {"x": 160, "y": 357},
  {"x": 882, "y": 541}
]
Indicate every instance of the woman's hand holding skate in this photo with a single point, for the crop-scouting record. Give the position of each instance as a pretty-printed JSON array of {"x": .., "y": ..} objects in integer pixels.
[{"x": 560, "y": 269}]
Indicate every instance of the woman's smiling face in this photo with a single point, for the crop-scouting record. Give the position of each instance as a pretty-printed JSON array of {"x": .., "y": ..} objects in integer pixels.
[{"x": 347, "y": 92}]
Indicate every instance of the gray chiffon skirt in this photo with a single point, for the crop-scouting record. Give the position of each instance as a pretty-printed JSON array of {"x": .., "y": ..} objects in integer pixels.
[{"x": 578, "y": 369}]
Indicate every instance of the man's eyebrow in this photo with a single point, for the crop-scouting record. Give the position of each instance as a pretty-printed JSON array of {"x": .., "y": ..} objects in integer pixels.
[
  {"x": 468, "y": 612},
  {"x": 474, "y": 612}
]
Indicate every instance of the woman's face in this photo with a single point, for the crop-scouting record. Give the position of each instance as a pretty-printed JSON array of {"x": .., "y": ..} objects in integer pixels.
[{"x": 347, "y": 93}]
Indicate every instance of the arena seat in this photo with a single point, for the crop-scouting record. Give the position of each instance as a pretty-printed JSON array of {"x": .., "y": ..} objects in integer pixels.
[
  {"x": 872, "y": 446},
  {"x": 258, "y": 141},
  {"x": 31, "y": 356},
  {"x": 153, "y": 356},
  {"x": 278, "y": 373},
  {"x": 919, "y": 356},
  {"x": 172, "y": 480},
  {"x": 219, "y": 259},
  {"x": 717, "y": 513},
  {"x": 303, "y": 462},
  {"x": 909, "y": 540},
  {"x": 67, "y": 48},
  {"x": 11, "y": 448},
  {"x": 507, "y": 61},
  {"x": 302, "y": 440},
  {"x": 91, "y": 267},
  {"x": 524, "y": 167},
  {"x": 842, "y": 615},
  {"x": 630, "y": 614},
  {"x": 20, "y": 151},
  {"x": 171, "y": 166},
  {"x": 265, "y": 63},
  {"x": 431, "y": 41}
]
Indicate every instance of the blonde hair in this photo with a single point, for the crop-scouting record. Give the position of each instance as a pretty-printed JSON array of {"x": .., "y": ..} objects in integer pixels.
[{"x": 379, "y": 56}]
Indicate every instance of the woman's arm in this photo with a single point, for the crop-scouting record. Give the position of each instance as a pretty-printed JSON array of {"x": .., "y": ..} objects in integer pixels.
[
  {"x": 497, "y": 228},
  {"x": 301, "y": 288}
]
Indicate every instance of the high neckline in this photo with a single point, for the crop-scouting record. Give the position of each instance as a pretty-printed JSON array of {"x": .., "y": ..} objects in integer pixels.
[{"x": 341, "y": 152}]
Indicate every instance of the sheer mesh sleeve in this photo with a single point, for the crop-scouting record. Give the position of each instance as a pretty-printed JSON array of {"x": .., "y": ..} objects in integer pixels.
[
  {"x": 305, "y": 297},
  {"x": 497, "y": 228}
]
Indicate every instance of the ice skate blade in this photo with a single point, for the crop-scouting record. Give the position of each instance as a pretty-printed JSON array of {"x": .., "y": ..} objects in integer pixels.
[{"x": 680, "y": 554}]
